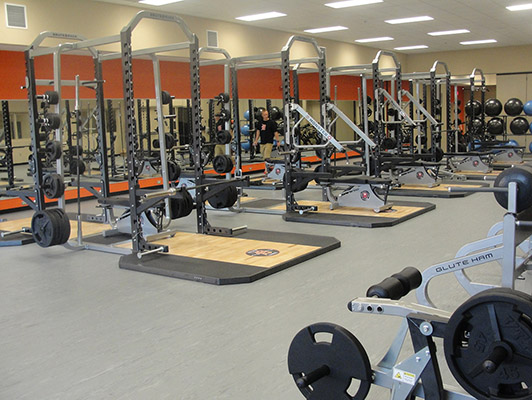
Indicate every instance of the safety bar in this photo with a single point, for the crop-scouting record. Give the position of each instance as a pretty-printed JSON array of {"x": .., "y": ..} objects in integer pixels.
[
  {"x": 394, "y": 104},
  {"x": 345, "y": 118},
  {"x": 419, "y": 107}
]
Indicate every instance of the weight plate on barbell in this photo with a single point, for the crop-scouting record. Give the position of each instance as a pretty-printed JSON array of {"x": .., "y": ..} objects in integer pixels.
[
  {"x": 62, "y": 225},
  {"x": 224, "y": 198},
  {"x": 330, "y": 345},
  {"x": 488, "y": 345}
]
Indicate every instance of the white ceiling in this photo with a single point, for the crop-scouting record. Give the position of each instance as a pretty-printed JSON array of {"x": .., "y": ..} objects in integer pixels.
[{"x": 486, "y": 19}]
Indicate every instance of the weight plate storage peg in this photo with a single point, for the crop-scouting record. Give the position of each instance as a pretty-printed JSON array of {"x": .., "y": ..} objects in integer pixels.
[
  {"x": 53, "y": 150},
  {"x": 222, "y": 164},
  {"x": 488, "y": 345},
  {"x": 53, "y": 186},
  {"x": 324, "y": 359},
  {"x": 50, "y": 227},
  {"x": 224, "y": 198}
]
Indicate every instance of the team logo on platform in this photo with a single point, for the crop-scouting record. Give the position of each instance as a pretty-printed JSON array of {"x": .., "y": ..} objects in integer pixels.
[{"x": 262, "y": 252}]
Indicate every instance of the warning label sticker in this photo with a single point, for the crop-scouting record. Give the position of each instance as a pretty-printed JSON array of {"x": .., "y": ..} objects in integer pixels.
[{"x": 404, "y": 376}]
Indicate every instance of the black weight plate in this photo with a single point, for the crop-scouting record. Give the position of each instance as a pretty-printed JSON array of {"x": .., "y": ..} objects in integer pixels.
[
  {"x": 224, "y": 198},
  {"x": 65, "y": 225},
  {"x": 344, "y": 355},
  {"x": 169, "y": 141},
  {"x": 56, "y": 227},
  {"x": 53, "y": 186},
  {"x": 53, "y": 150},
  {"x": 174, "y": 170},
  {"x": 42, "y": 228},
  {"x": 501, "y": 318},
  {"x": 62, "y": 226},
  {"x": 53, "y": 120},
  {"x": 320, "y": 169},
  {"x": 224, "y": 97},
  {"x": 52, "y": 97},
  {"x": 75, "y": 164},
  {"x": 223, "y": 137},
  {"x": 165, "y": 97},
  {"x": 222, "y": 164}
]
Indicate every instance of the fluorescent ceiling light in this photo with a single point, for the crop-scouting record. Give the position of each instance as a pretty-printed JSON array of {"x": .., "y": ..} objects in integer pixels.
[
  {"x": 478, "y": 42},
  {"x": 520, "y": 7},
  {"x": 352, "y": 3},
  {"x": 375, "y": 39},
  {"x": 455, "y": 32},
  {"x": 257, "y": 17},
  {"x": 158, "y": 2},
  {"x": 326, "y": 29},
  {"x": 421, "y": 46},
  {"x": 408, "y": 20}
]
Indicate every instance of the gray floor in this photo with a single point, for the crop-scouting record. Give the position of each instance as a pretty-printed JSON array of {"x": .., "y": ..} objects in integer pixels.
[{"x": 75, "y": 326}]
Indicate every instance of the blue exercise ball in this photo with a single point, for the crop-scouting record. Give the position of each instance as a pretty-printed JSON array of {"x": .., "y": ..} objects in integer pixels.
[
  {"x": 527, "y": 108},
  {"x": 512, "y": 143},
  {"x": 244, "y": 130},
  {"x": 246, "y": 115},
  {"x": 246, "y": 145}
]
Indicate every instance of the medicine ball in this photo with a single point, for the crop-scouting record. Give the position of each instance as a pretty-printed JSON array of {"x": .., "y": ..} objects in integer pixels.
[
  {"x": 519, "y": 126},
  {"x": 258, "y": 112},
  {"x": 495, "y": 126},
  {"x": 492, "y": 107},
  {"x": 474, "y": 108},
  {"x": 513, "y": 107},
  {"x": 275, "y": 113}
]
